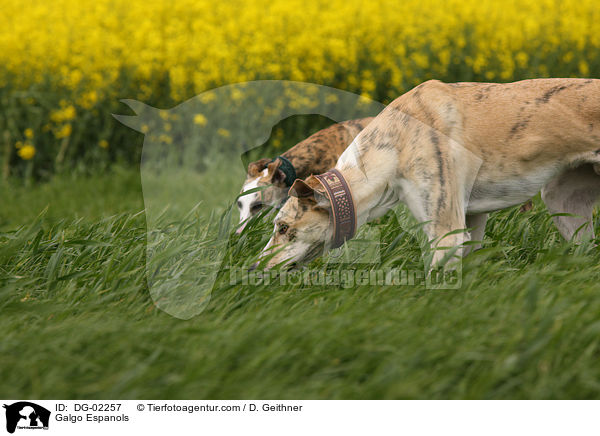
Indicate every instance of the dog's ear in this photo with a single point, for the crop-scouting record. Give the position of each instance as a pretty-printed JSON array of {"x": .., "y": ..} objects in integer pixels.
[
  {"x": 274, "y": 174},
  {"x": 310, "y": 190},
  {"x": 255, "y": 168},
  {"x": 300, "y": 189},
  {"x": 317, "y": 187}
]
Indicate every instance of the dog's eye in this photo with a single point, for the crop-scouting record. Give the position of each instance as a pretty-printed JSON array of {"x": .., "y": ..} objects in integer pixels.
[
  {"x": 256, "y": 207},
  {"x": 239, "y": 204},
  {"x": 283, "y": 228}
]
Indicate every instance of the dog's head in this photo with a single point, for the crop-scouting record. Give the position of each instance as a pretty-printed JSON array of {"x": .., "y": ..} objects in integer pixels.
[
  {"x": 302, "y": 226},
  {"x": 261, "y": 173}
]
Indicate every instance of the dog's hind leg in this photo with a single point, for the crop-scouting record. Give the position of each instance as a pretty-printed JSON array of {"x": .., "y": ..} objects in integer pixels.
[
  {"x": 476, "y": 223},
  {"x": 575, "y": 192}
]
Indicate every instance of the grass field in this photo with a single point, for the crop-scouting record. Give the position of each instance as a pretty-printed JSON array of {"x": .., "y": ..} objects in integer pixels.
[
  {"x": 78, "y": 321},
  {"x": 77, "y": 311}
]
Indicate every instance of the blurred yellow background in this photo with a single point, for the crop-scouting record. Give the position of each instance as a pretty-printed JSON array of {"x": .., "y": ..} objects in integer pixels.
[{"x": 73, "y": 60}]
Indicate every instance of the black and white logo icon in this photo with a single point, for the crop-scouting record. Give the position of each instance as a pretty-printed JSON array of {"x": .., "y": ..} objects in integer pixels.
[{"x": 26, "y": 415}]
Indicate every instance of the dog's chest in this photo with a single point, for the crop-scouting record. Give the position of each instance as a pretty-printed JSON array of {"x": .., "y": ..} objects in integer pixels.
[{"x": 494, "y": 193}]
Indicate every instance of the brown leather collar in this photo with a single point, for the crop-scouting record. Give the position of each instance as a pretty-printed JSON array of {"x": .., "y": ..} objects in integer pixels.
[{"x": 342, "y": 206}]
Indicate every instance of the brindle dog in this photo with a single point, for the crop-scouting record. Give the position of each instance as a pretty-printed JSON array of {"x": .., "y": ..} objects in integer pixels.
[{"x": 314, "y": 155}]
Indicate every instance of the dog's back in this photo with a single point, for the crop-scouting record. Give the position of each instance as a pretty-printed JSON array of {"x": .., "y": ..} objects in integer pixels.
[
  {"x": 520, "y": 119},
  {"x": 320, "y": 151}
]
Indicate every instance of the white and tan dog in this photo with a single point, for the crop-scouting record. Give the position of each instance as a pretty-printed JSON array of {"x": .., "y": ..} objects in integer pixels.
[
  {"x": 314, "y": 155},
  {"x": 454, "y": 152}
]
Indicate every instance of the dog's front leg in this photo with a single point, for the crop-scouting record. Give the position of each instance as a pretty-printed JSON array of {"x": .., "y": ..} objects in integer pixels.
[
  {"x": 439, "y": 192},
  {"x": 441, "y": 207},
  {"x": 476, "y": 223},
  {"x": 447, "y": 236}
]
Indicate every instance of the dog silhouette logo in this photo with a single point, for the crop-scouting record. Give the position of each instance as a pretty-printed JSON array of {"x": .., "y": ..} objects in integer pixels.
[
  {"x": 26, "y": 415},
  {"x": 226, "y": 123}
]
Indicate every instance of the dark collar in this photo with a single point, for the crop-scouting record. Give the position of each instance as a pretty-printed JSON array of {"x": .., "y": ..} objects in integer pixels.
[
  {"x": 342, "y": 206},
  {"x": 288, "y": 169}
]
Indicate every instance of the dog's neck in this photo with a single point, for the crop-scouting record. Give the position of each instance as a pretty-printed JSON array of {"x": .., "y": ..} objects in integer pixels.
[
  {"x": 302, "y": 165},
  {"x": 368, "y": 177}
]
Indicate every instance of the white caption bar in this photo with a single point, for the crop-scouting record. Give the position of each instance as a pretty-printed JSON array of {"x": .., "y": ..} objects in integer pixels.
[{"x": 256, "y": 417}]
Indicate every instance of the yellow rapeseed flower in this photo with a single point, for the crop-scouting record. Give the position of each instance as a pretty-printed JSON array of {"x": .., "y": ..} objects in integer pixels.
[
  {"x": 200, "y": 119},
  {"x": 66, "y": 113},
  {"x": 378, "y": 49},
  {"x": 224, "y": 132},
  {"x": 64, "y": 131},
  {"x": 103, "y": 143},
  {"x": 28, "y": 133},
  {"x": 69, "y": 113},
  {"x": 26, "y": 152},
  {"x": 165, "y": 138},
  {"x": 88, "y": 99}
]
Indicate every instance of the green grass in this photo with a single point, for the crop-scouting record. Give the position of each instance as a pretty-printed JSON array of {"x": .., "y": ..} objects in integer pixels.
[
  {"x": 77, "y": 319},
  {"x": 70, "y": 197}
]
